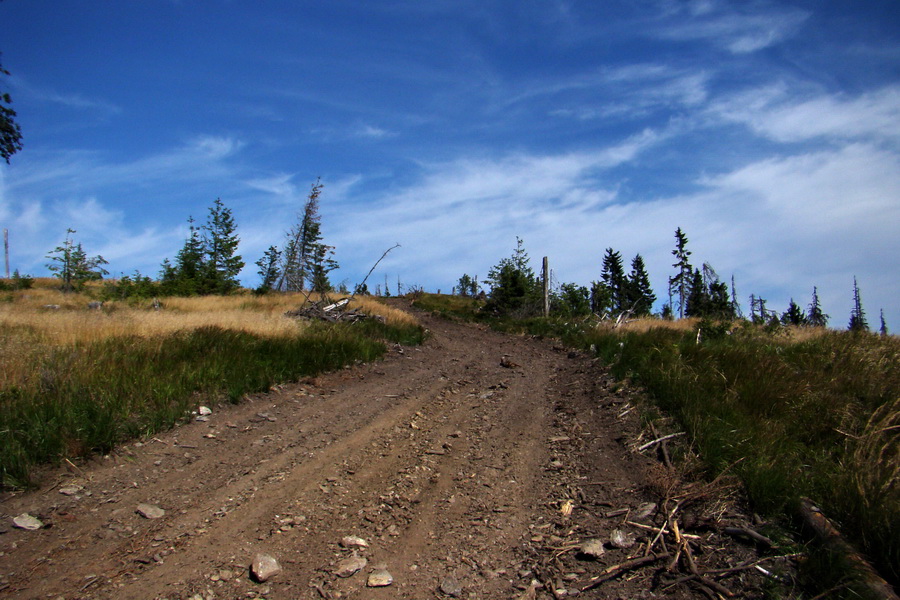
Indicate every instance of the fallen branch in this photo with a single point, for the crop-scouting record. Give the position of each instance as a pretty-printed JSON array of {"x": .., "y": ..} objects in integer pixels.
[
  {"x": 739, "y": 532},
  {"x": 663, "y": 530},
  {"x": 824, "y": 530},
  {"x": 658, "y": 440},
  {"x": 628, "y": 565},
  {"x": 366, "y": 278}
]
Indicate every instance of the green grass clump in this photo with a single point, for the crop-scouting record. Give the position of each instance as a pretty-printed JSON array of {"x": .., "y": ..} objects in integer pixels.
[
  {"x": 460, "y": 307},
  {"x": 89, "y": 397},
  {"x": 817, "y": 418}
]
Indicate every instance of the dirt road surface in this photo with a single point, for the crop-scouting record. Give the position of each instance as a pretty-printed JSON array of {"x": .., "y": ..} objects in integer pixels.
[{"x": 475, "y": 466}]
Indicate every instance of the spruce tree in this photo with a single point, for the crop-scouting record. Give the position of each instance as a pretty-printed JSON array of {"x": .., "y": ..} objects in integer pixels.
[
  {"x": 857, "y": 315},
  {"x": 883, "y": 330},
  {"x": 269, "y": 270},
  {"x": 680, "y": 283},
  {"x": 185, "y": 276},
  {"x": 697, "y": 298},
  {"x": 793, "y": 315},
  {"x": 301, "y": 245},
  {"x": 600, "y": 298},
  {"x": 814, "y": 315},
  {"x": 321, "y": 263},
  {"x": 613, "y": 277},
  {"x": 72, "y": 265},
  {"x": 220, "y": 243},
  {"x": 735, "y": 305},
  {"x": 10, "y": 132},
  {"x": 641, "y": 296},
  {"x": 514, "y": 287}
]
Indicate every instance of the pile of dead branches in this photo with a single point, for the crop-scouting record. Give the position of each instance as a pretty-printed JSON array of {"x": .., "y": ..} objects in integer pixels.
[{"x": 332, "y": 312}]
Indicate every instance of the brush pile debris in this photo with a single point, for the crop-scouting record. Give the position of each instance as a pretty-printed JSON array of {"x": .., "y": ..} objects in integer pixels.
[{"x": 333, "y": 312}]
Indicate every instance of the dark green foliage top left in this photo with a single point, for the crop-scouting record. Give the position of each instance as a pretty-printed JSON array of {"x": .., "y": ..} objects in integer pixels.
[{"x": 10, "y": 133}]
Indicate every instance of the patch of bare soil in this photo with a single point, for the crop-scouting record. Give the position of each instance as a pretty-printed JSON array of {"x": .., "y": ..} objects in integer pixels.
[{"x": 479, "y": 465}]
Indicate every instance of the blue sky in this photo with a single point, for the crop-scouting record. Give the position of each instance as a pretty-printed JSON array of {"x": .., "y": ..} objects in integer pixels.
[{"x": 768, "y": 131}]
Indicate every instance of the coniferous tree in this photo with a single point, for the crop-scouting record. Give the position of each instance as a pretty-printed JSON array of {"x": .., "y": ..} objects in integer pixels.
[
  {"x": 680, "y": 283},
  {"x": 814, "y": 315},
  {"x": 613, "y": 277},
  {"x": 10, "y": 133},
  {"x": 220, "y": 242},
  {"x": 72, "y": 265},
  {"x": 735, "y": 305},
  {"x": 300, "y": 248},
  {"x": 793, "y": 315},
  {"x": 269, "y": 270},
  {"x": 883, "y": 330},
  {"x": 572, "y": 300},
  {"x": 514, "y": 287},
  {"x": 321, "y": 264},
  {"x": 600, "y": 298},
  {"x": 857, "y": 315},
  {"x": 697, "y": 298},
  {"x": 641, "y": 296},
  {"x": 185, "y": 276},
  {"x": 715, "y": 297}
]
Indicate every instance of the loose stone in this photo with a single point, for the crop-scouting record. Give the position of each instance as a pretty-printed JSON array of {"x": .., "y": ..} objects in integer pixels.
[
  {"x": 350, "y": 566},
  {"x": 451, "y": 587},
  {"x": 380, "y": 578},
  {"x": 26, "y": 521},
  {"x": 620, "y": 539},
  {"x": 150, "y": 511},
  {"x": 264, "y": 567},
  {"x": 592, "y": 549},
  {"x": 351, "y": 541}
]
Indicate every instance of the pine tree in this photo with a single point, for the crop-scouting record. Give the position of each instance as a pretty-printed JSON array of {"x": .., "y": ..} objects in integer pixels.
[
  {"x": 680, "y": 283},
  {"x": 735, "y": 305},
  {"x": 613, "y": 277},
  {"x": 321, "y": 264},
  {"x": 300, "y": 247},
  {"x": 641, "y": 296},
  {"x": 269, "y": 270},
  {"x": 72, "y": 265},
  {"x": 857, "y": 315},
  {"x": 697, "y": 298},
  {"x": 514, "y": 287},
  {"x": 814, "y": 315},
  {"x": 793, "y": 315},
  {"x": 185, "y": 276},
  {"x": 10, "y": 132},
  {"x": 715, "y": 301},
  {"x": 600, "y": 298},
  {"x": 883, "y": 330},
  {"x": 220, "y": 243}
]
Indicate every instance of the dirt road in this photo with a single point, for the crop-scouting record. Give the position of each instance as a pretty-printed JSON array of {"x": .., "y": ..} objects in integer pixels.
[{"x": 457, "y": 462}]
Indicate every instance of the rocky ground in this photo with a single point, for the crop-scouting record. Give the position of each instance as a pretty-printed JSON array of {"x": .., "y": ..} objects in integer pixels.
[{"x": 479, "y": 465}]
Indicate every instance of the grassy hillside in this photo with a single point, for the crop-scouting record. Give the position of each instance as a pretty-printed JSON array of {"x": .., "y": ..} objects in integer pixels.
[{"x": 76, "y": 380}]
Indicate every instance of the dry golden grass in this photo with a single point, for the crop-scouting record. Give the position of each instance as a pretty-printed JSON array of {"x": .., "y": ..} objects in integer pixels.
[
  {"x": 646, "y": 324},
  {"x": 29, "y": 329}
]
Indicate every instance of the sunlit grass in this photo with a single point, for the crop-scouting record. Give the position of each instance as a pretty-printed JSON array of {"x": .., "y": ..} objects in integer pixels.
[{"x": 74, "y": 379}]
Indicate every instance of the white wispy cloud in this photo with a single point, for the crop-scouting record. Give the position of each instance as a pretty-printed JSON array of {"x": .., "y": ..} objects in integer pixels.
[
  {"x": 740, "y": 29},
  {"x": 780, "y": 225},
  {"x": 776, "y": 113},
  {"x": 72, "y": 100},
  {"x": 47, "y": 193},
  {"x": 371, "y": 131},
  {"x": 199, "y": 158}
]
